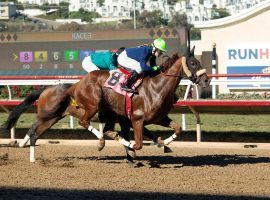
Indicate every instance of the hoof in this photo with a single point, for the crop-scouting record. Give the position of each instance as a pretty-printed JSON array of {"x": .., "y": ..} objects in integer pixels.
[
  {"x": 101, "y": 144},
  {"x": 111, "y": 134},
  {"x": 131, "y": 163},
  {"x": 160, "y": 142},
  {"x": 13, "y": 143},
  {"x": 130, "y": 152}
]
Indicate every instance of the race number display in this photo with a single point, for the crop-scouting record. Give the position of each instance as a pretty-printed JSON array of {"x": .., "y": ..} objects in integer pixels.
[
  {"x": 41, "y": 56},
  {"x": 71, "y": 56},
  {"x": 26, "y": 56},
  {"x": 62, "y": 53},
  {"x": 56, "y": 56},
  {"x": 62, "y": 58}
]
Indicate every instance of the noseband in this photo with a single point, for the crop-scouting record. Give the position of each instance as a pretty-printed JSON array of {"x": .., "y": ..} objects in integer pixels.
[{"x": 192, "y": 77}]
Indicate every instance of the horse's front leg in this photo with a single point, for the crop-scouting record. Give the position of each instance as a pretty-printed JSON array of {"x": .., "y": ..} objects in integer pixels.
[
  {"x": 85, "y": 119},
  {"x": 167, "y": 122},
  {"x": 138, "y": 130},
  {"x": 125, "y": 130},
  {"x": 138, "y": 133}
]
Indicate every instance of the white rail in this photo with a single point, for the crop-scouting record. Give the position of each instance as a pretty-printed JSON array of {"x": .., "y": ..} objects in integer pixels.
[{"x": 257, "y": 81}]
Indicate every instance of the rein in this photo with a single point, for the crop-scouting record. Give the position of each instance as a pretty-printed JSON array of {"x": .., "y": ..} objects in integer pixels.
[
  {"x": 186, "y": 71},
  {"x": 172, "y": 75}
]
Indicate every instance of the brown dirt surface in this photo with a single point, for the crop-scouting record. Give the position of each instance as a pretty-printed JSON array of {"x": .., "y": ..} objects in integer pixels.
[{"x": 81, "y": 172}]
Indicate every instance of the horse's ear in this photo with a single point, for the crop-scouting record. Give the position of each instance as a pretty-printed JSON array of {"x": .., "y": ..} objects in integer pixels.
[
  {"x": 192, "y": 51},
  {"x": 188, "y": 53}
]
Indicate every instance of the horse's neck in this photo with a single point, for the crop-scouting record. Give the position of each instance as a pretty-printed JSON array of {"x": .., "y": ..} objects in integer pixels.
[{"x": 167, "y": 83}]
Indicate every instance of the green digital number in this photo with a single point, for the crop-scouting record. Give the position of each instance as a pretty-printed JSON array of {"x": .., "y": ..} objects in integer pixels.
[{"x": 71, "y": 56}]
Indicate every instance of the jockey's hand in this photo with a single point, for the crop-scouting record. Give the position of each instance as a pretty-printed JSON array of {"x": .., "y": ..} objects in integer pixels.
[{"x": 156, "y": 68}]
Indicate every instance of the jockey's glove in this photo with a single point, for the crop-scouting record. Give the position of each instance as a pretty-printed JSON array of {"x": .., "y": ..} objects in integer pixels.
[{"x": 155, "y": 68}]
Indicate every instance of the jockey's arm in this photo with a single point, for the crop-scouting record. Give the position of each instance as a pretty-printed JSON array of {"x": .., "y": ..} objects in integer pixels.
[
  {"x": 145, "y": 67},
  {"x": 153, "y": 65},
  {"x": 152, "y": 61},
  {"x": 112, "y": 66}
]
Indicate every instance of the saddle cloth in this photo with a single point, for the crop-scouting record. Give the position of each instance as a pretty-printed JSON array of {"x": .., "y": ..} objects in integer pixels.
[{"x": 116, "y": 78}]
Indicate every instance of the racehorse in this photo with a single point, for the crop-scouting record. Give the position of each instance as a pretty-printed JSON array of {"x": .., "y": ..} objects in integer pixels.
[
  {"x": 51, "y": 96},
  {"x": 153, "y": 101},
  {"x": 150, "y": 106}
]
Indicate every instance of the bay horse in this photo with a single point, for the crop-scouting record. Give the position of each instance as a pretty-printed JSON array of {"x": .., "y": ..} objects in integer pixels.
[
  {"x": 150, "y": 106},
  {"x": 152, "y": 103},
  {"x": 49, "y": 112}
]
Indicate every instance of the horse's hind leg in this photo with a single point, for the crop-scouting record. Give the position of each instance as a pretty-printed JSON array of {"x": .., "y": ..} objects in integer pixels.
[
  {"x": 167, "y": 122},
  {"x": 107, "y": 120},
  {"x": 28, "y": 135},
  {"x": 85, "y": 121},
  {"x": 79, "y": 113},
  {"x": 101, "y": 141},
  {"x": 36, "y": 131}
]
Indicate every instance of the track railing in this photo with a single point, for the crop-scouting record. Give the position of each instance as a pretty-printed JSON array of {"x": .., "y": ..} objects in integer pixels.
[
  {"x": 197, "y": 106},
  {"x": 218, "y": 79}
]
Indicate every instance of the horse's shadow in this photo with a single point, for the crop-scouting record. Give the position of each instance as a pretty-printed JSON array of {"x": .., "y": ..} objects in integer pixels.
[
  {"x": 203, "y": 160},
  {"x": 183, "y": 161}
]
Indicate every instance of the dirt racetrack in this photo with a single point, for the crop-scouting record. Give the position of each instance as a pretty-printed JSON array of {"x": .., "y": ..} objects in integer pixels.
[{"x": 81, "y": 172}]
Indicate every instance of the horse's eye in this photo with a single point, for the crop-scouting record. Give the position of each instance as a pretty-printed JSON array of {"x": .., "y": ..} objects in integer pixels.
[{"x": 192, "y": 63}]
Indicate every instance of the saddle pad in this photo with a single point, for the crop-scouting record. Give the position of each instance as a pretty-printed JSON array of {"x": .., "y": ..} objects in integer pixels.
[{"x": 115, "y": 80}]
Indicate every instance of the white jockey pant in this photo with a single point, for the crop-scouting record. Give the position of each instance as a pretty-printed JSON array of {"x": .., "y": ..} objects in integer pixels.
[
  {"x": 129, "y": 63},
  {"x": 87, "y": 64}
]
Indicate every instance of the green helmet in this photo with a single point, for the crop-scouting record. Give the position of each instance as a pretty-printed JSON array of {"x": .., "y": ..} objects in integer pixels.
[{"x": 160, "y": 44}]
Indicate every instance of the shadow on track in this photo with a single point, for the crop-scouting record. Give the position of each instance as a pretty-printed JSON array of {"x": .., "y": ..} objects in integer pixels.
[
  {"x": 179, "y": 162},
  {"x": 50, "y": 194}
]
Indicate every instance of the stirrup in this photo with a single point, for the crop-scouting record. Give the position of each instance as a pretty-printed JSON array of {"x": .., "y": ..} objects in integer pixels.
[{"x": 128, "y": 89}]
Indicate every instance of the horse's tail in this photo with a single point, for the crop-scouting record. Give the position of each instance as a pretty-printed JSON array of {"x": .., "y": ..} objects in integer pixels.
[{"x": 21, "y": 108}]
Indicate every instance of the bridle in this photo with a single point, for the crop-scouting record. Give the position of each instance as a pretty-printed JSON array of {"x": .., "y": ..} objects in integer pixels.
[
  {"x": 163, "y": 72},
  {"x": 194, "y": 78},
  {"x": 172, "y": 75}
]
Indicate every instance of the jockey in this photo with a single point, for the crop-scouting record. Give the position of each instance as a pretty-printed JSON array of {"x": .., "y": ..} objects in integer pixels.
[
  {"x": 101, "y": 61},
  {"x": 135, "y": 58}
]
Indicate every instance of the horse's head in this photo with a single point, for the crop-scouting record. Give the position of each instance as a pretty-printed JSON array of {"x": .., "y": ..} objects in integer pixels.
[{"x": 193, "y": 69}]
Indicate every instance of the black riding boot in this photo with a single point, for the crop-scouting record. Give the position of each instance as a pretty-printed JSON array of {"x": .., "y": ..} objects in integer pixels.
[{"x": 132, "y": 79}]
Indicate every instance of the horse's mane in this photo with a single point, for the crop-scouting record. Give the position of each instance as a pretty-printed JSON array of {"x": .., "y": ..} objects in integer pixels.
[
  {"x": 165, "y": 65},
  {"x": 169, "y": 61}
]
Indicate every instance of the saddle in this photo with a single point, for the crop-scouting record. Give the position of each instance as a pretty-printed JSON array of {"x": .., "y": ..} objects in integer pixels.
[{"x": 118, "y": 77}]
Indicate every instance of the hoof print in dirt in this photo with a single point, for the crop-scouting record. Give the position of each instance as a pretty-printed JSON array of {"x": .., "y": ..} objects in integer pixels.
[{"x": 4, "y": 157}]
